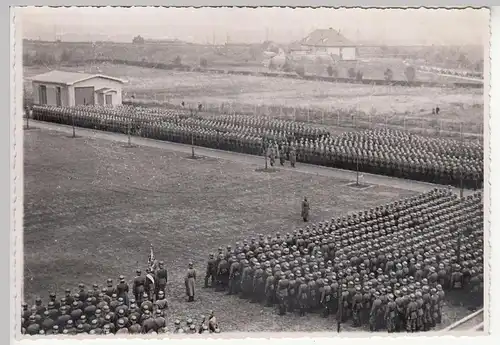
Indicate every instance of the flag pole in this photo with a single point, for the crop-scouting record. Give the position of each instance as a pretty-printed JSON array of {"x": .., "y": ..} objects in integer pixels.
[{"x": 339, "y": 307}]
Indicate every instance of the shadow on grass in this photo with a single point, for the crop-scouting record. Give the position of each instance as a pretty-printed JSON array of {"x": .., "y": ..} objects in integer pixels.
[{"x": 267, "y": 170}]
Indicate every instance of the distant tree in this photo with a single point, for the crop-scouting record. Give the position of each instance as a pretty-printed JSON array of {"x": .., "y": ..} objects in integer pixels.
[
  {"x": 65, "y": 55},
  {"x": 300, "y": 70},
  {"x": 272, "y": 65},
  {"x": 410, "y": 73},
  {"x": 177, "y": 61},
  {"x": 287, "y": 66},
  {"x": 138, "y": 39},
  {"x": 479, "y": 66},
  {"x": 351, "y": 72},
  {"x": 388, "y": 74},
  {"x": 44, "y": 58},
  {"x": 203, "y": 62},
  {"x": 462, "y": 60},
  {"x": 329, "y": 70},
  {"x": 332, "y": 72}
]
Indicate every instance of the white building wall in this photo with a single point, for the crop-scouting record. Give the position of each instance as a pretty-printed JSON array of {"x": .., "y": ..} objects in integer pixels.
[
  {"x": 98, "y": 83},
  {"x": 51, "y": 93},
  {"x": 349, "y": 53},
  {"x": 333, "y": 50}
]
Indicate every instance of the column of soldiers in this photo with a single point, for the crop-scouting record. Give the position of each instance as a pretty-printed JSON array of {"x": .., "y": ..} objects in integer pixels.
[
  {"x": 386, "y": 268},
  {"x": 110, "y": 310},
  {"x": 380, "y": 151}
]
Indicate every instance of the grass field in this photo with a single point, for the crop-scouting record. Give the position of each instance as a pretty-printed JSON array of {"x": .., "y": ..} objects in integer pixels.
[
  {"x": 92, "y": 208},
  {"x": 396, "y": 104}
]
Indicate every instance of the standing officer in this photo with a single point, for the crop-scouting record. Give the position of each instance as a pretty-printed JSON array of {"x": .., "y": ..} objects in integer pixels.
[
  {"x": 138, "y": 287},
  {"x": 305, "y": 210},
  {"x": 189, "y": 281},
  {"x": 161, "y": 279}
]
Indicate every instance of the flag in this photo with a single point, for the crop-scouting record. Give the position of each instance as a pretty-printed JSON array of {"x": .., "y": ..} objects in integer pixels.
[{"x": 151, "y": 258}]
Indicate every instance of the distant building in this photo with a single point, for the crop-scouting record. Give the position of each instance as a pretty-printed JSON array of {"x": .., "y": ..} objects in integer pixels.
[
  {"x": 69, "y": 89},
  {"x": 328, "y": 41}
]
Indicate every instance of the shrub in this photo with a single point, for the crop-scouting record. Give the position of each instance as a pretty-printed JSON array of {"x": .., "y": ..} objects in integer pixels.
[
  {"x": 177, "y": 61},
  {"x": 300, "y": 70},
  {"x": 329, "y": 70},
  {"x": 359, "y": 75},
  {"x": 203, "y": 62},
  {"x": 388, "y": 74},
  {"x": 352, "y": 73},
  {"x": 287, "y": 67},
  {"x": 272, "y": 65},
  {"x": 410, "y": 73},
  {"x": 66, "y": 55}
]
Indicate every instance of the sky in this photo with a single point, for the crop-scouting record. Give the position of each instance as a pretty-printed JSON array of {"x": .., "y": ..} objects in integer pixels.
[{"x": 248, "y": 25}]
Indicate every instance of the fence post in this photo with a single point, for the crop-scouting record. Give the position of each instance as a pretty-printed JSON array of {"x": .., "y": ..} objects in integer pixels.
[
  {"x": 338, "y": 118},
  {"x": 73, "y": 124},
  {"x": 128, "y": 132},
  {"x": 308, "y": 115},
  {"x": 404, "y": 123},
  {"x": 354, "y": 121},
  {"x": 323, "y": 117},
  {"x": 440, "y": 127}
]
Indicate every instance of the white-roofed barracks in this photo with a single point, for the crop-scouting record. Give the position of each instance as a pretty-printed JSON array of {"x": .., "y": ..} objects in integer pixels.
[{"x": 62, "y": 88}]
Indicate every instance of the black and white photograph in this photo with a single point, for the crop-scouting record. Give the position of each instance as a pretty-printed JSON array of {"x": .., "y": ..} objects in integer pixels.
[{"x": 202, "y": 171}]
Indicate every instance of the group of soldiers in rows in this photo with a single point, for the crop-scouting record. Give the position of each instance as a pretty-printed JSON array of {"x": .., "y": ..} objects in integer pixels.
[
  {"x": 297, "y": 129},
  {"x": 386, "y": 268},
  {"x": 388, "y": 152},
  {"x": 110, "y": 310}
]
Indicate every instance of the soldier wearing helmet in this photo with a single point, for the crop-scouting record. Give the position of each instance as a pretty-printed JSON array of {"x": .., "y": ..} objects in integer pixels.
[
  {"x": 138, "y": 286},
  {"x": 282, "y": 294}
]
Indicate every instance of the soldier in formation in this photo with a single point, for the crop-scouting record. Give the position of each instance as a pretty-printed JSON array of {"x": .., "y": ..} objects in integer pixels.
[
  {"x": 379, "y": 151},
  {"x": 386, "y": 268},
  {"x": 105, "y": 311}
]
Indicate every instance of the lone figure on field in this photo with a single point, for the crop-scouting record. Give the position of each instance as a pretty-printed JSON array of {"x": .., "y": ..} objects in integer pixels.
[
  {"x": 189, "y": 281},
  {"x": 305, "y": 210},
  {"x": 293, "y": 157}
]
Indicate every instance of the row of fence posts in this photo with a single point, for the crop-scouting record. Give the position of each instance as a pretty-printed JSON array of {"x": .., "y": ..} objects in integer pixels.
[
  {"x": 354, "y": 120},
  {"x": 354, "y": 123}
]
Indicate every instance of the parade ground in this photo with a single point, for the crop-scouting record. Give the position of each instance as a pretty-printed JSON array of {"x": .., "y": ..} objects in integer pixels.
[{"x": 93, "y": 206}]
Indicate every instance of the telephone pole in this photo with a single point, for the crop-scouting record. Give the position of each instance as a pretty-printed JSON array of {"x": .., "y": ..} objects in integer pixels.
[
  {"x": 357, "y": 169},
  {"x": 339, "y": 307},
  {"x": 461, "y": 168}
]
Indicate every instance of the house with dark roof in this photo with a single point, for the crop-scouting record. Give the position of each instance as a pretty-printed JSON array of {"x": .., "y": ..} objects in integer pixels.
[
  {"x": 328, "y": 41},
  {"x": 62, "y": 88}
]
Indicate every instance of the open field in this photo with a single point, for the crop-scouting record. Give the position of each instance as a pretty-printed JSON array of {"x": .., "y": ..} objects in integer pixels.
[
  {"x": 405, "y": 106},
  {"x": 109, "y": 202}
]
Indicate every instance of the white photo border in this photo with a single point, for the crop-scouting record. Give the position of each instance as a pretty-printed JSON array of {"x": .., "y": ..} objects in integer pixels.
[{"x": 13, "y": 262}]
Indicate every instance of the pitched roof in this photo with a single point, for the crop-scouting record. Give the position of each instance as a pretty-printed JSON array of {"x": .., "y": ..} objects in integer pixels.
[
  {"x": 69, "y": 78},
  {"x": 326, "y": 38}
]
